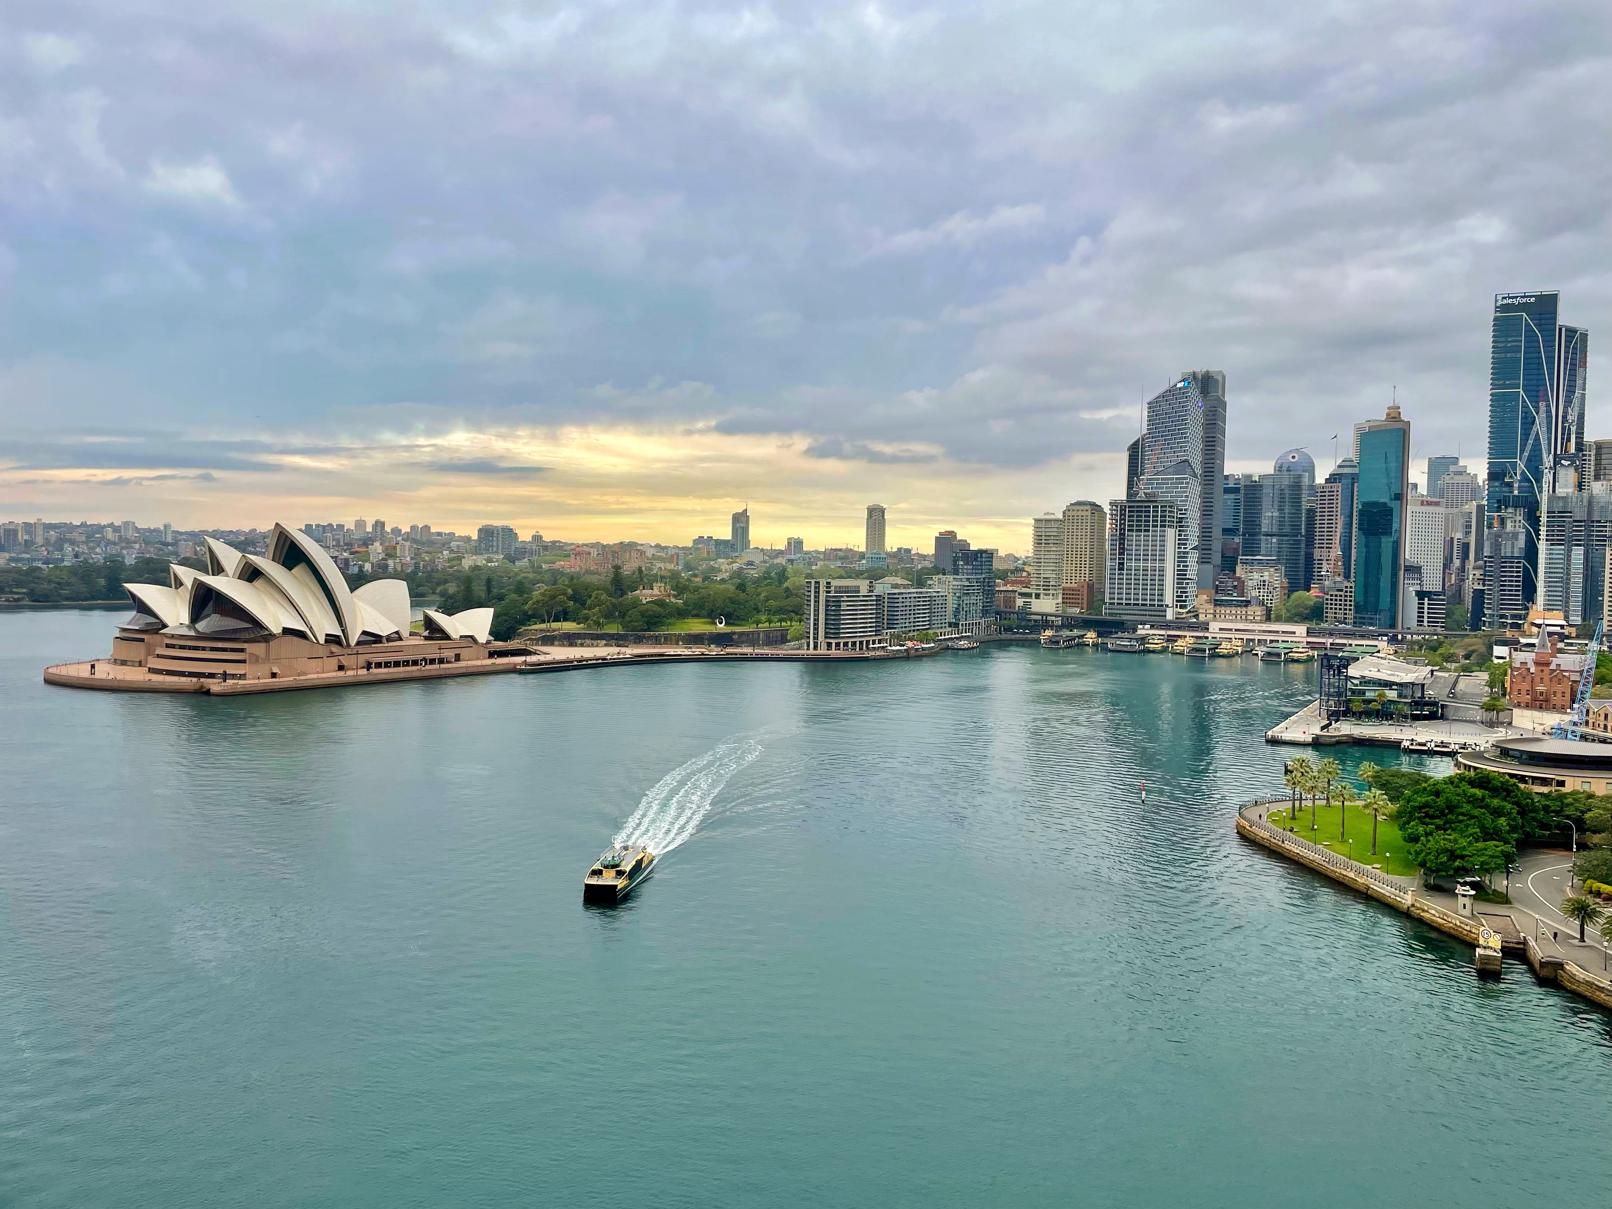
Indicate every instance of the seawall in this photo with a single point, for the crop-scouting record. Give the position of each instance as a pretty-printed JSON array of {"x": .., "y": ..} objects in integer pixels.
[{"x": 1374, "y": 884}]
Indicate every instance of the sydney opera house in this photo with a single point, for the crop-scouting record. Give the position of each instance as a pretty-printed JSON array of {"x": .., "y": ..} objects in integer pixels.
[{"x": 282, "y": 619}]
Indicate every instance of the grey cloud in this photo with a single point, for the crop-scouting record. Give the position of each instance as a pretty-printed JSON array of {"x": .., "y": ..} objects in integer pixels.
[
  {"x": 990, "y": 230},
  {"x": 861, "y": 451},
  {"x": 205, "y": 476},
  {"x": 486, "y": 466}
]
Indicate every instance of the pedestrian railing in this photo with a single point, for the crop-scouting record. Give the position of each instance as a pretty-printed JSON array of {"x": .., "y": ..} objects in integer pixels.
[{"x": 1326, "y": 855}]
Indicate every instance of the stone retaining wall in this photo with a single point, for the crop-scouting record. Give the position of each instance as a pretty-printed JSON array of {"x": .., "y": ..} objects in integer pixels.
[{"x": 1565, "y": 974}]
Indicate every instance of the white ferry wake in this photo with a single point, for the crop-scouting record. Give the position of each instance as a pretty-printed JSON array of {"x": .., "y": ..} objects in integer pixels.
[{"x": 671, "y": 812}]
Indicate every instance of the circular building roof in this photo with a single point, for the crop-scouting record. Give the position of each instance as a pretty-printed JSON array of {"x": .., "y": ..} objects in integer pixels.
[{"x": 1295, "y": 461}]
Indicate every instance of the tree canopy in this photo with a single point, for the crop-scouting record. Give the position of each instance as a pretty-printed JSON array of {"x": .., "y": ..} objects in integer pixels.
[{"x": 1461, "y": 824}]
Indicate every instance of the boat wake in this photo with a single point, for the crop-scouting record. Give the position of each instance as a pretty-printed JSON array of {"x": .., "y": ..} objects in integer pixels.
[{"x": 674, "y": 809}]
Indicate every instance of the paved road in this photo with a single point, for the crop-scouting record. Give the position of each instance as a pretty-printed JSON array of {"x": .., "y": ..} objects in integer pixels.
[{"x": 1538, "y": 890}]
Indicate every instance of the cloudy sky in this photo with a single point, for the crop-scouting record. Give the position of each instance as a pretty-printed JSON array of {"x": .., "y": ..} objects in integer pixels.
[{"x": 612, "y": 270}]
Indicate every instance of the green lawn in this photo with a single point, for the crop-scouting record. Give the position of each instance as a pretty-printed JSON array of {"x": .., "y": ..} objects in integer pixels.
[{"x": 1357, "y": 839}]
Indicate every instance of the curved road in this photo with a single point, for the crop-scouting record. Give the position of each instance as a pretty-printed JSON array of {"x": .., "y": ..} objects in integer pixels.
[{"x": 1538, "y": 890}]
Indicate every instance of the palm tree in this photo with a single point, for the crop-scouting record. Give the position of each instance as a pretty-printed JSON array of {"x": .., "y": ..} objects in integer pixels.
[
  {"x": 1376, "y": 804},
  {"x": 1367, "y": 772},
  {"x": 1293, "y": 778},
  {"x": 1582, "y": 910},
  {"x": 1312, "y": 786},
  {"x": 1328, "y": 772},
  {"x": 1346, "y": 795}
]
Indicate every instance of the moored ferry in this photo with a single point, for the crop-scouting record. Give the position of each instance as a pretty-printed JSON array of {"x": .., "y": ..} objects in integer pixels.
[
  {"x": 1089, "y": 638},
  {"x": 1124, "y": 643},
  {"x": 1300, "y": 654},
  {"x": 617, "y": 873},
  {"x": 1155, "y": 645},
  {"x": 1230, "y": 647},
  {"x": 1180, "y": 646}
]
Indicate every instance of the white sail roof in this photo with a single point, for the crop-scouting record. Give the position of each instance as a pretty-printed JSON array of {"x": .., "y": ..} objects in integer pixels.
[
  {"x": 168, "y": 605},
  {"x": 295, "y": 588}
]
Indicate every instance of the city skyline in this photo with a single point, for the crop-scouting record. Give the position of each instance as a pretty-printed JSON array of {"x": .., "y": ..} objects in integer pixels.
[{"x": 874, "y": 271}]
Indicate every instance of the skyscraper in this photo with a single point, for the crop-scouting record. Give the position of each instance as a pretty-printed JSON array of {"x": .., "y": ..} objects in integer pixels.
[
  {"x": 1379, "y": 542},
  {"x": 1135, "y": 456},
  {"x": 974, "y": 591},
  {"x": 1173, "y": 472},
  {"x": 741, "y": 530},
  {"x": 1231, "y": 521},
  {"x": 875, "y": 525},
  {"x": 1426, "y": 537},
  {"x": 1212, "y": 469},
  {"x": 1143, "y": 548},
  {"x": 1346, "y": 477},
  {"x": 945, "y": 542},
  {"x": 1537, "y": 370},
  {"x": 1296, "y": 462},
  {"x": 1458, "y": 487},
  {"x": 1437, "y": 468},
  {"x": 1283, "y": 495},
  {"x": 1046, "y": 564},
  {"x": 1085, "y": 554}
]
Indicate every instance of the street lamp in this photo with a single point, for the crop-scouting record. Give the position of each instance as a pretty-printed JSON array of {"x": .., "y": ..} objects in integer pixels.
[{"x": 1574, "y": 826}]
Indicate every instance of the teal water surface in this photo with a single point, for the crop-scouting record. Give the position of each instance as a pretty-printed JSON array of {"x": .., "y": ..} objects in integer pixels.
[{"x": 921, "y": 944}]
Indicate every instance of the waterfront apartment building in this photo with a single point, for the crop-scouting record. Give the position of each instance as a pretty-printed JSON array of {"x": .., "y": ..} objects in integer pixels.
[
  {"x": 974, "y": 597},
  {"x": 875, "y": 529},
  {"x": 856, "y": 615},
  {"x": 1144, "y": 549},
  {"x": 1085, "y": 554},
  {"x": 1379, "y": 540}
]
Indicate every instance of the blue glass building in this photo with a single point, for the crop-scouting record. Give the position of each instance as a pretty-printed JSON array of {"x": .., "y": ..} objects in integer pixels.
[
  {"x": 1381, "y": 488},
  {"x": 1537, "y": 370}
]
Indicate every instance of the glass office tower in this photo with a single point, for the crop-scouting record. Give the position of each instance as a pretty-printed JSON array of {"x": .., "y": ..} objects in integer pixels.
[
  {"x": 1382, "y": 485},
  {"x": 1537, "y": 371}
]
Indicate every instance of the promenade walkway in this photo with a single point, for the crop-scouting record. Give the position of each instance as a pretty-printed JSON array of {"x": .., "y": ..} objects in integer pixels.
[{"x": 1532, "y": 920}]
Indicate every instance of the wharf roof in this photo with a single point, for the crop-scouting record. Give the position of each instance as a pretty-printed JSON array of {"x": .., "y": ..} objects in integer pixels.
[{"x": 1393, "y": 671}]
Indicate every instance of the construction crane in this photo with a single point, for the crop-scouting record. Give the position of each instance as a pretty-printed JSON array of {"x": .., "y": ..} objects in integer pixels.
[{"x": 1573, "y": 728}]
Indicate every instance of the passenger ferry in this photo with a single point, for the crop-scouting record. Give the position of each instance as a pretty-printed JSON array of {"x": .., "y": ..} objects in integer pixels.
[
  {"x": 1127, "y": 642},
  {"x": 617, "y": 874},
  {"x": 1229, "y": 648},
  {"x": 1180, "y": 646},
  {"x": 1301, "y": 654},
  {"x": 965, "y": 644},
  {"x": 1155, "y": 645},
  {"x": 1089, "y": 638}
]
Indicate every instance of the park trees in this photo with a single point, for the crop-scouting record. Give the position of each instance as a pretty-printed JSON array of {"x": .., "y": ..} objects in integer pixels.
[{"x": 1454, "y": 825}]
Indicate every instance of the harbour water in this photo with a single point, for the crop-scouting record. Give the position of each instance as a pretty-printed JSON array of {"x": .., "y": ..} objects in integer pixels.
[{"x": 915, "y": 941}]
